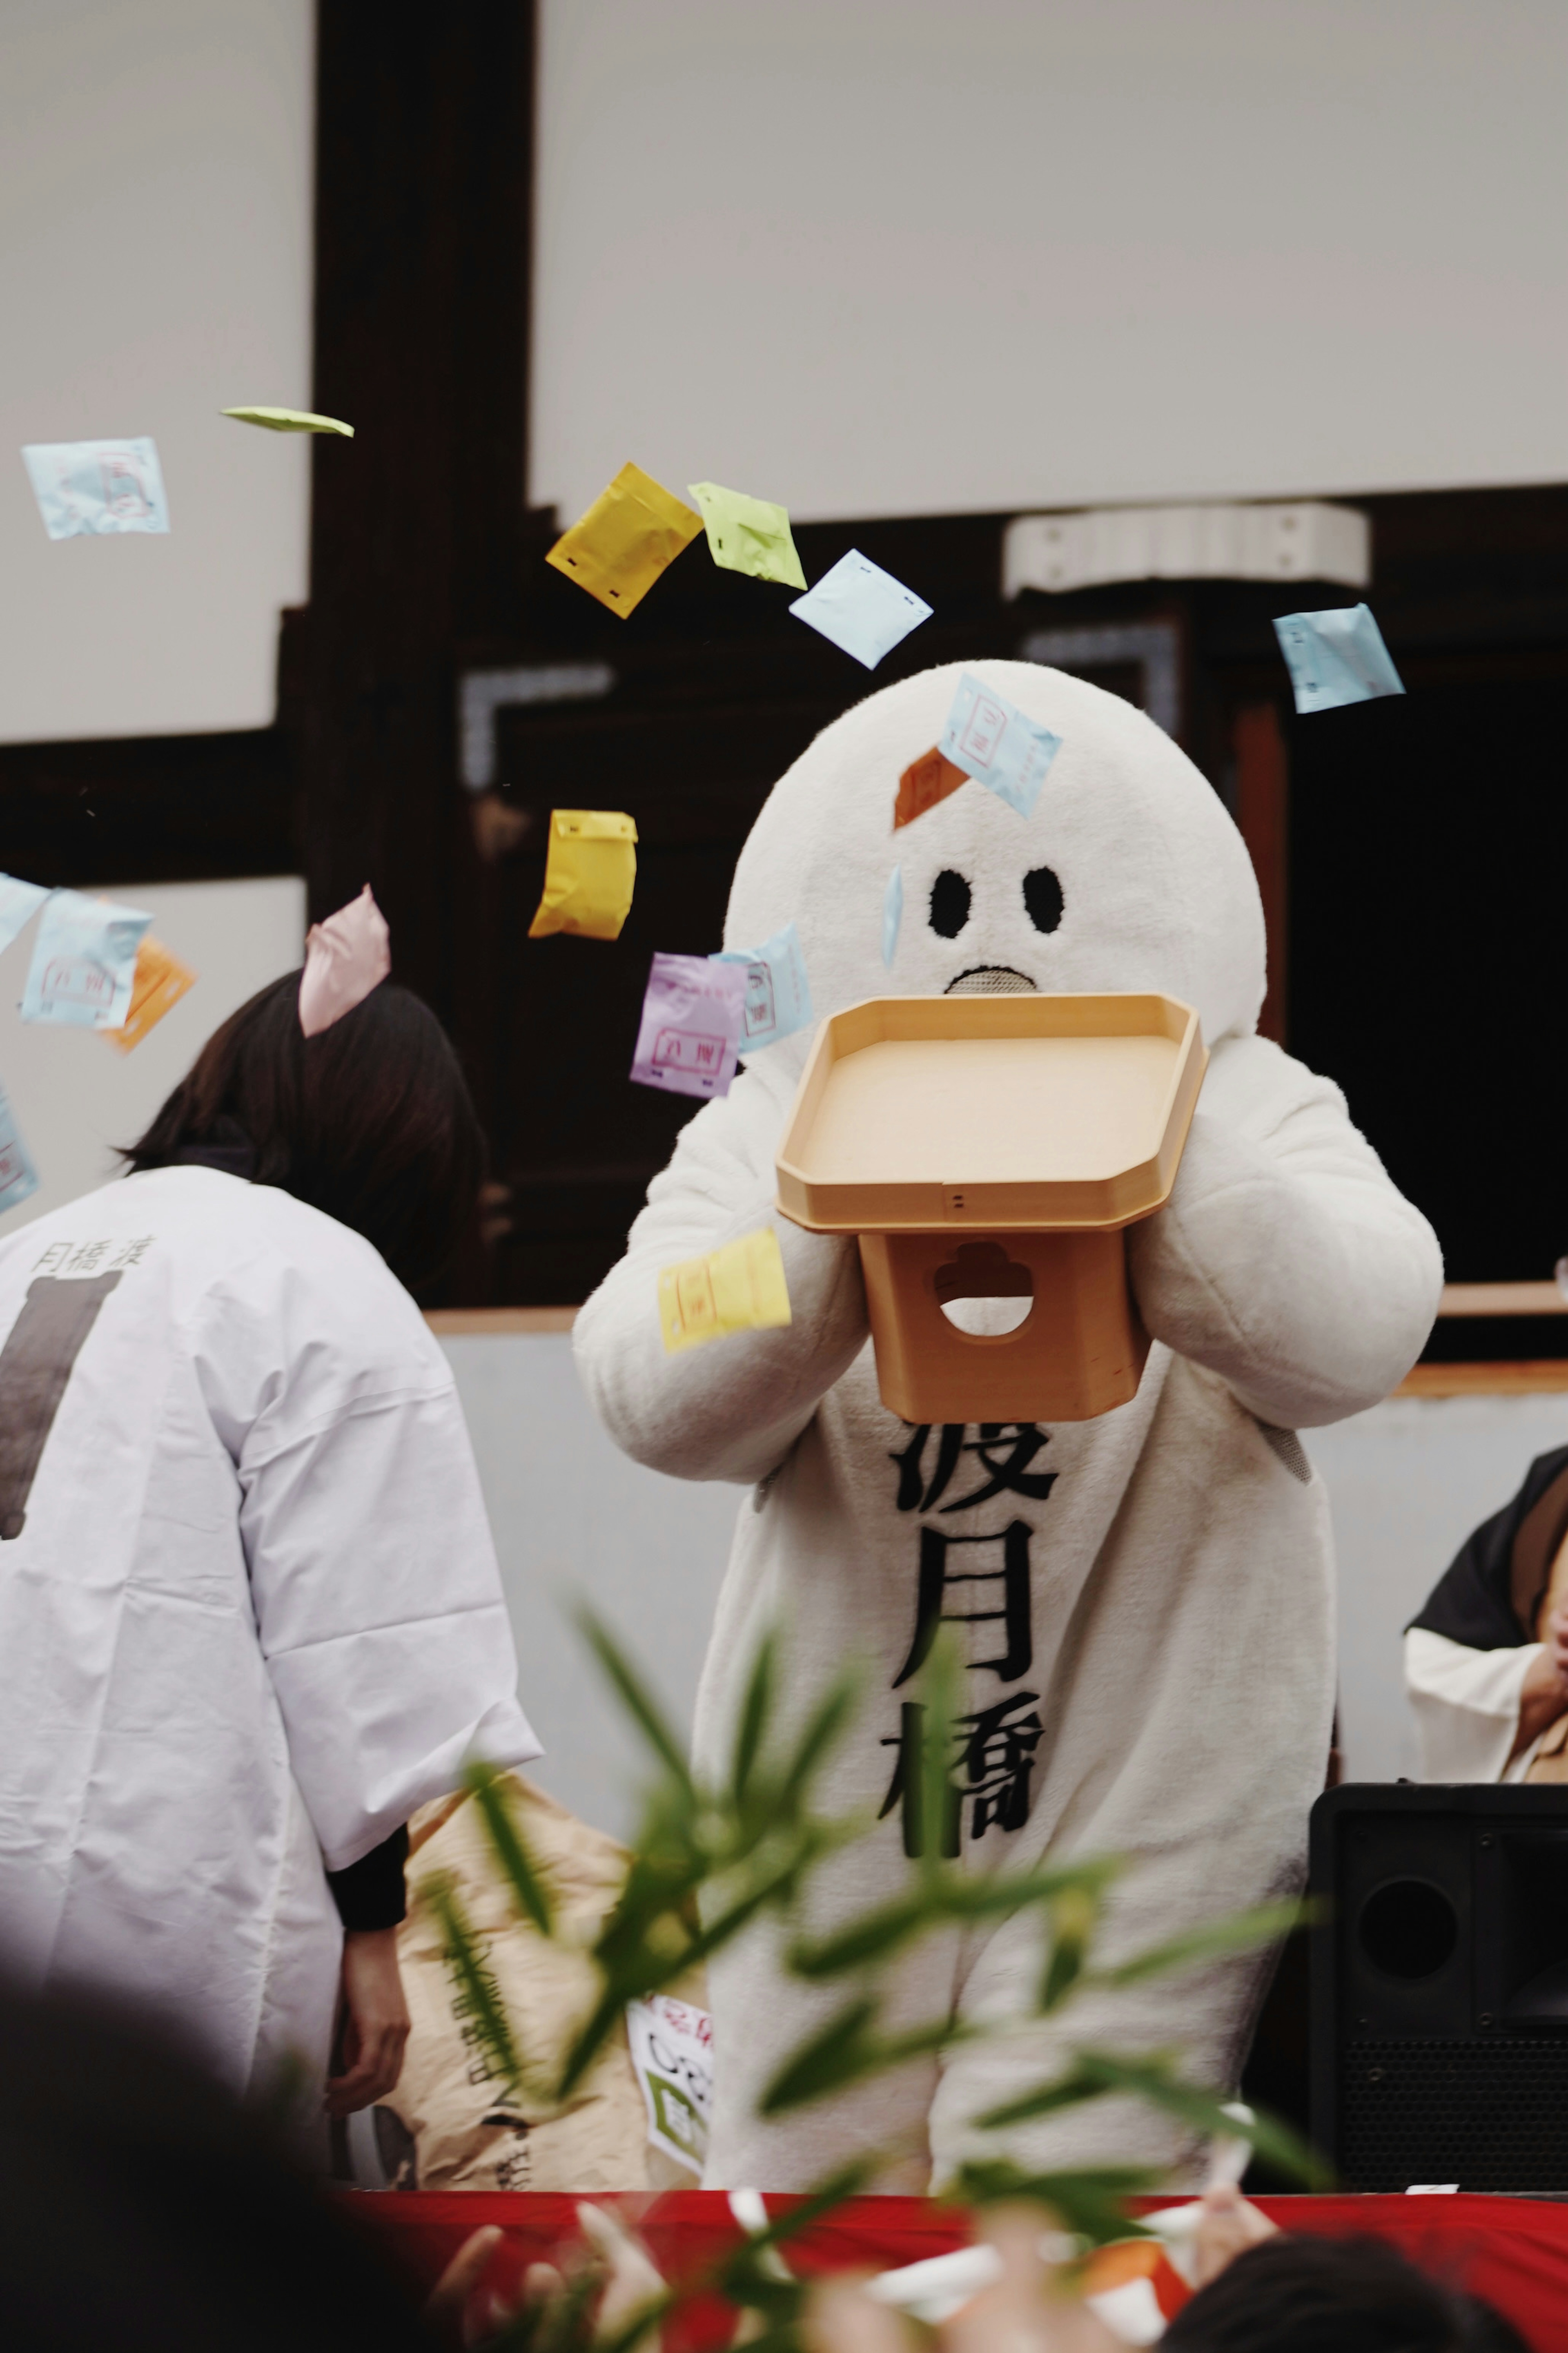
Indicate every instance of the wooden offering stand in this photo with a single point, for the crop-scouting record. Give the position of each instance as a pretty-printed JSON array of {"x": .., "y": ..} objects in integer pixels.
[{"x": 995, "y": 1147}]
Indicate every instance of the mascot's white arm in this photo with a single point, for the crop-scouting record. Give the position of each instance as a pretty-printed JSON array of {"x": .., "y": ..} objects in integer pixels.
[
  {"x": 1285, "y": 1261},
  {"x": 731, "y": 1410}
]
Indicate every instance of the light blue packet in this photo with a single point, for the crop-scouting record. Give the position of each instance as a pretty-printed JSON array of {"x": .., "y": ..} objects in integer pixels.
[
  {"x": 20, "y": 902},
  {"x": 861, "y": 607},
  {"x": 892, "y": 915},
  {"x": 1336, "y": 657},
  {"x": 84, "y": 959},
  {"x": 994, "y": 741},
  {"x": 96, "y": 486},
  {"x": 778, "y": 995},
  {"x": 18, "y": 1177}
]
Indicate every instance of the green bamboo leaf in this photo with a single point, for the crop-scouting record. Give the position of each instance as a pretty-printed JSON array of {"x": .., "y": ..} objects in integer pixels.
[
  {"x": 829, "y": 2058},
  {"x": 824, "y": 1728},
  {"x": 755, "y": 1710},
  {"x": 1153, "y": 2079},
  {"x": 486, "y": 2013},
  {"x": 870, "y": 1938},
  {"x": 639, "y": 1703},
  {"x": 1261, "y": 1926},
  {"x": 1089, "y": 2202},
  {"x": 507, "y": 1842}
]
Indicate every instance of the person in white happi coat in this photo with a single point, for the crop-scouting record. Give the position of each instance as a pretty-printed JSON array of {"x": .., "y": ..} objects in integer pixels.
[
  {"x": 1486, "y": 1662},
  {"x": 1145, "y": 1599},
  {"x": 250, "y": 1615}
]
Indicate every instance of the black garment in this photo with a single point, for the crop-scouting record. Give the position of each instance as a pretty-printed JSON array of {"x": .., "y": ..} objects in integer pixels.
[
  {"x": 227, "y": 1149},
  {"x": 1487, "y": 1596},
  {"x": 371, "y": 1894}
]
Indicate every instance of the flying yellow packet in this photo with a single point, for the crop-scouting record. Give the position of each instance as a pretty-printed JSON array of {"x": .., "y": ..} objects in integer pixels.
[
  {"x": 747, "y": 535},
  {"x": 588, "y": 874},
  {"x": 291, "y": 420},
  {"x": 632, "y": 532},
  {"x": 157, "y": 985},
  {"x": 739, "y": 1288}
]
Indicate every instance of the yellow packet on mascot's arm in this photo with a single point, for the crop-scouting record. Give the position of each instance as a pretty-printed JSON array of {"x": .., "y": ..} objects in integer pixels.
[
  {"x": 633, "y": 532},
  {"x": 588, "y": 874},
  {"x": 739, "y": 1288}
]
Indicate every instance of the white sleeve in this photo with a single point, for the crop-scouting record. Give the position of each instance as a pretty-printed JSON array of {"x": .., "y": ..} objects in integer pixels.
[
  {"x": 732, "y": 1408},
  {"x": 379, "y": 1607},
  {"x": 1286, "y": 1261},
  {"x": 1467, "y": 1704}
]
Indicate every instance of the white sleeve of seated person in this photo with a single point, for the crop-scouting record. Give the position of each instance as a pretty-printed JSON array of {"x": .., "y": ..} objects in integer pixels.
[
  {"x": 1467, "y": 1704},
  {"x": 730, "y": 1409},
  {"x": 374, "y": 1579},
  {"x": 1286, "y": 1261}
]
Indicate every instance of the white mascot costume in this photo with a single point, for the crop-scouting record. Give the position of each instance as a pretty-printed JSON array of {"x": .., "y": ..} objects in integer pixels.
[{"x": 1146, "y": 1599}]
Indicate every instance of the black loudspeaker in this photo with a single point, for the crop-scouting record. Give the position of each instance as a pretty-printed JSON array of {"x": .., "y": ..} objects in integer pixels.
[{"x": 1440, "y": 1986}]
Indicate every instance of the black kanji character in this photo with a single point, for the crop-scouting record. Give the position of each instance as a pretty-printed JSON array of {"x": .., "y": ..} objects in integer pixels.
[
  {"x": 1013, "y": 1616},
  {"x": 1007, "y": 1457},
  {"x": 998, "y": 1760}
]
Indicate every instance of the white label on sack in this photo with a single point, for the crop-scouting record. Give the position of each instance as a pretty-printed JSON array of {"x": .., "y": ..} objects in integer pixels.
[{"x": 672, "y": 2050}]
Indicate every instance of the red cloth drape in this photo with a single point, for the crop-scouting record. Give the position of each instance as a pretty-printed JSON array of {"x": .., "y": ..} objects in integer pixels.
[{"x": 1513, "y": 2250}]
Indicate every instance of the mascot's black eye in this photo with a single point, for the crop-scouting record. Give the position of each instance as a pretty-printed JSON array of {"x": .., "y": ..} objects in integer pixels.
[
  {"x": 949, "y": 904},
  {"x": 1043, "y": 898}
]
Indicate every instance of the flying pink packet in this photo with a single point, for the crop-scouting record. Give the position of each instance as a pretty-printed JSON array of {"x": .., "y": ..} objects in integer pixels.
[
  {"x": 694, "y": 1020},
  {"x": 346, "y": 958}
]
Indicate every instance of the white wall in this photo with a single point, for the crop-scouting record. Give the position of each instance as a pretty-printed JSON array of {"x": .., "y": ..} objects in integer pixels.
[
  {"x": 75, "y": 1095},
  {"x": 902, "y": 257},
  {"x": 155, "y": 268},
  {"x": 575, "y": 1521}
]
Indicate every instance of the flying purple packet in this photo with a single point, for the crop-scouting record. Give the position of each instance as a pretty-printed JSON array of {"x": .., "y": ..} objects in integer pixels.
[{"x": 694, "y": 1020}]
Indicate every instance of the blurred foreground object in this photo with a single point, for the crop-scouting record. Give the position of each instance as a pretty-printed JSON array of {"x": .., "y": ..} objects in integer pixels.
[
  {"x": 84, "y": 962},
  {"x": 739, "y": 1288},
  {"x": 862, "y": 608}
]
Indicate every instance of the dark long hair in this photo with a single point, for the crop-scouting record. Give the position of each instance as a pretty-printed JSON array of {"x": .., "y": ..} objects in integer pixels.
[{"x": 370, "y": 1121}]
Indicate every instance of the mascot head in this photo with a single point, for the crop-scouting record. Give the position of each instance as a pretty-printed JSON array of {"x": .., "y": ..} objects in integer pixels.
[{"x": 1128, "y": 875}]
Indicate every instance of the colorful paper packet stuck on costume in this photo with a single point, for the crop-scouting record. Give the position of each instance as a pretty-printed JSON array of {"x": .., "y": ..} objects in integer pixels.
[
  {"x": 690, "y": 1026},
  {"x": 84, "y": 487},
  {"x": 778, "y": 994},
  {"x": 291, "y": 420},
  {"x": 18, "y": 1177},
  {"x": 1336, "y": 657},
  {"x": 633, "y": 532},
  {"x": 739, "y": 1288},
  {"x": 84, "y": 962},
  {"x": 747, "y": 535},
  {"x": 994, "y": 741},
  {"x": 20, "y": 902},
  {"x": 861, "y": 607},
  {"x": 157, "y": 986},
  {"x": 589, "y": 874},
  {"x": 892, "y": 915},
  {"x": 345, "y": 957},
  {"x": 924, "y": 782}
]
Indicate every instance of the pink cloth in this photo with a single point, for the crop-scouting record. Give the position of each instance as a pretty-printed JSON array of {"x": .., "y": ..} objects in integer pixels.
[{"x": 345, "y": 957}]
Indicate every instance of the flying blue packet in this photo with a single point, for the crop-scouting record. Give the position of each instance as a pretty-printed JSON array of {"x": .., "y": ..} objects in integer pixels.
[
  {"x": 84, "y": 963},
  {"x": 994, "y": 741},
  {"x": 20, "y": 902},
  {"x": 892, "y": 915},
  {"x": 778, "y": 994},
  {"x": 18, "y": 1177},
  {"x": 89, "y": 487},
  {"x": 861, "y": 607},
  {"x": 1336, "y": 657}
]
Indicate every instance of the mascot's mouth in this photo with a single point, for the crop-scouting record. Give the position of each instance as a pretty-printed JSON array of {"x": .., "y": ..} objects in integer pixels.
[{"x": 991, "y": 980}]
